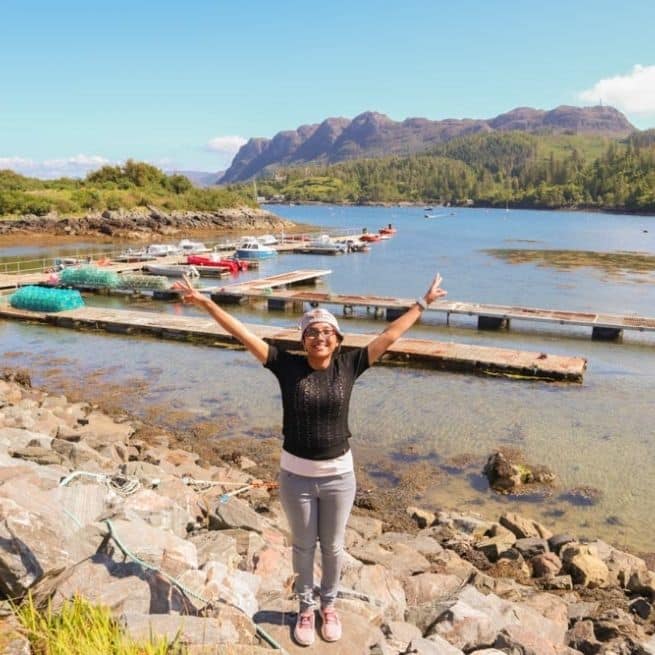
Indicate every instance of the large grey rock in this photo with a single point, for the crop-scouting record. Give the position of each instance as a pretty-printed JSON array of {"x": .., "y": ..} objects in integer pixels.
[
  {"x": 523, "y": 527},
  {"x": 218, "y": 546},
  {"x": 455, "y": 623},
  {"x": 227, "y": 627},
  {"x": 158, "y": 511},
  {"x": 433, "y": 645},
  {"x": 29, "y": 549},
  {"x": 584, "y": 567},
  {"x": 158, "y": 548},
  {"x": 518, "y": 639},
  {"x": 365, "y": 526},
  {"x": 401, "y": 560},
  {"x": 235, "y": 513},
  {"x": 427, "y": 595},
  {"x": 99, "y": 430},
  {"x": 375, "y": 583}
]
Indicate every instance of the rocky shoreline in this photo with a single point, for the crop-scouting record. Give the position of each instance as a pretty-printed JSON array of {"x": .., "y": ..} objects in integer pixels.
[
  {"x": 174, "y": 544},
  {"x": 148, "y": 222}
]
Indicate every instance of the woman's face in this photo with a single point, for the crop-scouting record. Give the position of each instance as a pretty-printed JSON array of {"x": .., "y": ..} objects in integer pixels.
[{"x": 320, "y": 340}]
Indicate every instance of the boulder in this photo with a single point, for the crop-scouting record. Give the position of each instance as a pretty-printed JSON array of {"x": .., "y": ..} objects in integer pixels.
[
  {"x": 375, "y": 583},
  {"x": 228, "y": 626},
  {"x": 235, "y": 513},
  {"x": 523, "y": 527}
]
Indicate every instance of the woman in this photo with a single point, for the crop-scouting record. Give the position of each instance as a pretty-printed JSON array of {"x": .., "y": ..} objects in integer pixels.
[{"x": 317, "y": 481}]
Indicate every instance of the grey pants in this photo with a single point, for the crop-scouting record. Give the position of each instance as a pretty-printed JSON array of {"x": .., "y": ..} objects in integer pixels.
[{"x": 317, "y": 508}]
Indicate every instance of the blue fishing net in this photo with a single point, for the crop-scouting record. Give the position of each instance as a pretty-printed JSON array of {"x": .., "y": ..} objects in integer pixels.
[{"x": 44, "y": 299}]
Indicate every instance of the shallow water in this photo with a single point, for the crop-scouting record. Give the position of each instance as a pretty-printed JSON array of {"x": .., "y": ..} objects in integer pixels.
[{"x": 598, "y": 434}]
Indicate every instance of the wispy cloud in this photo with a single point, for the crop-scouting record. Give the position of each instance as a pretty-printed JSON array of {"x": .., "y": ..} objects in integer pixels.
[
  {"x": 75, "y": 166},
  {"x": 633, "y": 93},
  {"x": 226, "y": 145}
]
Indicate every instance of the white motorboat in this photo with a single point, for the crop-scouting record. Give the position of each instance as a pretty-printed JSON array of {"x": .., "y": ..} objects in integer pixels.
[
  {"x": 162, "y": 250},
  {"x": 251, "y": 248},
  {"x": 322, "y": 245},
  {"x": 188, "y": 247}
]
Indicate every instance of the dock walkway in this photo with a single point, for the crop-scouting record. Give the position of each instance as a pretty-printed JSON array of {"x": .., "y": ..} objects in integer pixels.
[
  {"x": 413, "y": 352},
  {"x": 604, "y": 325}
]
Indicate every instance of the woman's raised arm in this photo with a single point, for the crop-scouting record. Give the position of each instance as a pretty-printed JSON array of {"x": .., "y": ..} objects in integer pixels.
[
  {"x": 397, "y": 328},
  {"x": 190, "y": 295}
]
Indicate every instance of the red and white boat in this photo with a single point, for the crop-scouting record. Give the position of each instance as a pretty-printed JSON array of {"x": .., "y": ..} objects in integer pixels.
[
  {"x": 389, "y": 230},
  {"x": 231, "y": 265},
  {"x": 369, "y": 238}
]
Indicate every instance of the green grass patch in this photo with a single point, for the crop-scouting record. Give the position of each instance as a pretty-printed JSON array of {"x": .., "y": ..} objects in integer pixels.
[{"x": 81, "y": 628}]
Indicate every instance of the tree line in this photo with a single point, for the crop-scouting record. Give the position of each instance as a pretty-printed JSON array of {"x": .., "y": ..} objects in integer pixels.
[
  {"x": 515, "y": 168},
  {"x": 132, "y": 185}
]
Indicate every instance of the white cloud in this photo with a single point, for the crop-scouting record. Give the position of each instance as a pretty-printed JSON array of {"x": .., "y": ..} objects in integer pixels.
[
  {"x": 226, "y": 145},
  {"x": 75, "y": 166},
  {"x": 632, "y": 93}
]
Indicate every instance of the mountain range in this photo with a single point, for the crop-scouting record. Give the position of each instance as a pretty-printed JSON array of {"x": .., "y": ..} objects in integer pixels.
[{"x": 372, "y": 134}]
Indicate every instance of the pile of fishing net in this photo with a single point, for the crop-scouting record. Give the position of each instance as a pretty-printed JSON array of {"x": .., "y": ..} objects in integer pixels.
[
  {"x": 146, "y": 282},
  {"x": 88, "y": 276},
  {"x": 45, "y": 299}
]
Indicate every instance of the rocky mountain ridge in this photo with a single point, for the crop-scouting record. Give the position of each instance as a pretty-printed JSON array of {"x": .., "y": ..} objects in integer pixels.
[{"x": 372, "y": 134}]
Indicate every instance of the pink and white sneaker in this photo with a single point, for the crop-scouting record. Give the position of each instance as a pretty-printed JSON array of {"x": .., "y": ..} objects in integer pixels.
[
  {"x": 305, "y": 630},
  {"x": 330, "y": 624}
]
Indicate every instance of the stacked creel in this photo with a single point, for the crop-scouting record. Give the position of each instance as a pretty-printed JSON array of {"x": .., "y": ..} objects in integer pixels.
[
  {"x": 89, "y": 276},
  {"x": 146, "y": 282},
  {"x": 45, "y": 299}
]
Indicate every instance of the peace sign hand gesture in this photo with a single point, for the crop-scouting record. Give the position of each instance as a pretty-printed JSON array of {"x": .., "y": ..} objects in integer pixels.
[
  {"x": 188, "y": 293},
  {"x": 435, "y": 291}
]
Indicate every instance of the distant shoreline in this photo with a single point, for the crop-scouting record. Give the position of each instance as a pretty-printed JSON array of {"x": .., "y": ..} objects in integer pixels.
[{"x": 479, "y": 205}]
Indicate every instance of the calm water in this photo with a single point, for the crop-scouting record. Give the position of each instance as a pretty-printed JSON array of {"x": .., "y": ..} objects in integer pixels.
[{"x": 598, "y": 434}]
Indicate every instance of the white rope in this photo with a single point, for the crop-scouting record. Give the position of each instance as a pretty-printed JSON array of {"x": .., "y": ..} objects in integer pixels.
[{"x": 121, "y": 484}]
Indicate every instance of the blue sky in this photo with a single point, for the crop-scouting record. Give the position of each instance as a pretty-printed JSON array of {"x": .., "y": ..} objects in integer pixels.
[{"x": 183, "y": 84}]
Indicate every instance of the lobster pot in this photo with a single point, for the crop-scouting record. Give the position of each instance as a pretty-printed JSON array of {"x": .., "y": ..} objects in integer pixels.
[
  {"x": 44, "y": 299},
  {"x": 148, "y": 282},
  {"x": 88, "y": 276}
]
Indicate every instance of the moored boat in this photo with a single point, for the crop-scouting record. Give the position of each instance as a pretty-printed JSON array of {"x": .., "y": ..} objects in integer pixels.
[
  {"x": 254, "y": 249},
  {"x": 172, "y": 270},
  {"x": 370, "y": 238},
  {"x": 389, "y": 230},
  {"x": 322, "y": 245},
  {"x": 188, "y": 247},
  {"x": 213, "y": 261},
  {"x": 162, "y": 250}
]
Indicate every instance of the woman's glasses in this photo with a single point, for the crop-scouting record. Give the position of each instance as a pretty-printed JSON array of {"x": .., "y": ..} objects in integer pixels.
[{"x": 314, "y": 333}]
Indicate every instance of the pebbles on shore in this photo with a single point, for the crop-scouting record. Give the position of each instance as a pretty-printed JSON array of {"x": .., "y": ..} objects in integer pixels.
[{"x": 87, "y": 507}]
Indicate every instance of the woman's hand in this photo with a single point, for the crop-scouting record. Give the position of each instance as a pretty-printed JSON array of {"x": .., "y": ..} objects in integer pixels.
[
  {"x": 188, "y": 293},
  {"x": 435, "y": 291}
]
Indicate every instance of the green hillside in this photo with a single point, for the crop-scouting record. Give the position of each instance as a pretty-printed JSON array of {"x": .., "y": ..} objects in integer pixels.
[
  {"x": 128, "y": 187},
  {"x": 541, "y": 171}
]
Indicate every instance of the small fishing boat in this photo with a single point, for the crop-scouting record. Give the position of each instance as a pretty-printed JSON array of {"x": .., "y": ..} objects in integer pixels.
[
  {"x": 132, "y": 255},
  {"x": 172, "y": 270},
  {"x": 268, "y": 240},
  {"x": 253, "y": 249},
  {"x": 188, "y": 247},
  {"x": 389, "y": 230},
  {"x": 322, "y": 245},
  {"x": 355, "y": 245},
  {"x": 215, "y": 261},
  {"x": 162, "y": 250},
  {"x": 369, "y": 238}
]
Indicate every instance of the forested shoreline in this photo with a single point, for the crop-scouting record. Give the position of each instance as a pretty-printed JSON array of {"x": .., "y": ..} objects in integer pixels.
[
  {"x": 495, "y": 170},
  {"x": 128, "y": 187}
]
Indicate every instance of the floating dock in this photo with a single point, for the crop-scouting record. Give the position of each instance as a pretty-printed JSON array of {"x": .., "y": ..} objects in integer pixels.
[
  {"x": 409, "y": 352},
  {"x": 603, "y": 326}
]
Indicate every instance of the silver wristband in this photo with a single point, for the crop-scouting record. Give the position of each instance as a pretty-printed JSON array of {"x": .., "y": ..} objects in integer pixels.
[{"x": 422, "y": 304}]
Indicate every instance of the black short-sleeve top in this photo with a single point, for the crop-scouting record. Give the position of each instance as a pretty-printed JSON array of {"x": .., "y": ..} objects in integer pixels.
[{"x": 315, "y": 402}]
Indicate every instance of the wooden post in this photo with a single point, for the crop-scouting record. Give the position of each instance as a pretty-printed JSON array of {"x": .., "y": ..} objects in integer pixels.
[
  {"x": 394, "y": 312},
  {"x": 492, "y": 323},
  {"x": 606, "y": 334}
]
